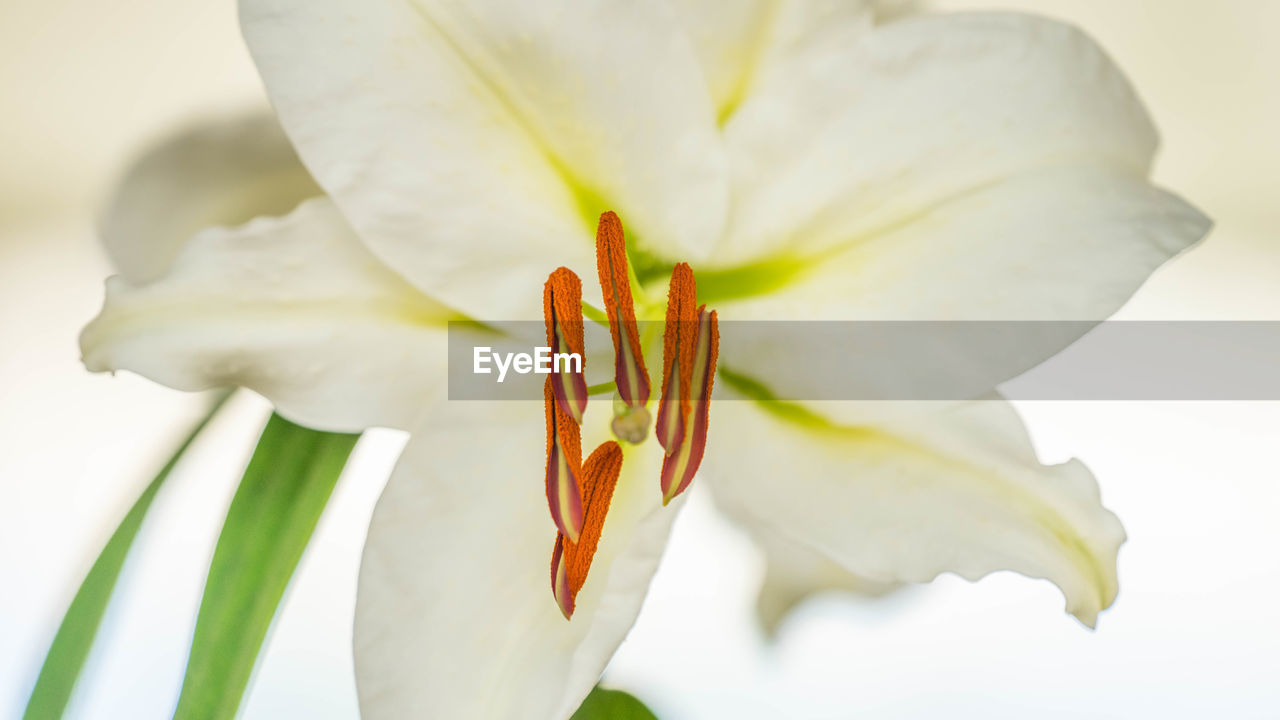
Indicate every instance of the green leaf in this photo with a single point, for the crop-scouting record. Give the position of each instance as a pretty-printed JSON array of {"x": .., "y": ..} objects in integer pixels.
[
  {"x": 271, "y": 518},
  {"x": 604, "y": 704},
  {"x": 79, "y": 626}
]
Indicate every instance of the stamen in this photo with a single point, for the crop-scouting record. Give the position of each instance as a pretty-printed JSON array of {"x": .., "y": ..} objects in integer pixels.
[
  {"x": 630, "y": 374},
  {"x": 565, "y": 396},
  {"x": 679, "y": 338},
  {"x": 578, "y": 493},
  {"x": 570, "y": 561},
  {"x": 560, "y": 580},
  {"x": 564, "y": 466},
  {"x": 678, "y": 468},
  {"x": 562, "y": 309}
]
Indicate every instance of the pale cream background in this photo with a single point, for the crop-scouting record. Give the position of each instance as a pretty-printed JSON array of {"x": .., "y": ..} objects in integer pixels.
[{"x": 86, "y": 84}]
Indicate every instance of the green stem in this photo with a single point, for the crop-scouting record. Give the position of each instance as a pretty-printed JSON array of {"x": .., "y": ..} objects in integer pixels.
[
  {"x": 268, "y": 525},
  {"x": 602, "y": 388},
  {"x": 595, "y": 314},
  {"x": 75, "y": 636}
]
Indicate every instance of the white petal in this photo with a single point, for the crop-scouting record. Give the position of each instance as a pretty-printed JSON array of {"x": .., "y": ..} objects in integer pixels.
[
  {"x": 455, "y": 616},
  {"x": 473, "y": 145},
  {"x": 294, "y": 308},
  {"x": 219, "y": 173},
  {"x": 1067, "y": 243},
  {"x": 930, "y": 490},
  {"x": 891, "y": 10},
  {"x": 730, "y": 39},
  {"x": 741, "y": 42},
  {"x": 795, "y": 572},
  {"x": 848, "y": 139}
]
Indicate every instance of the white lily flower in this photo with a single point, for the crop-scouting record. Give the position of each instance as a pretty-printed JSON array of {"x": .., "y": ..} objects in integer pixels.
[{"x": 808, "y": 164}]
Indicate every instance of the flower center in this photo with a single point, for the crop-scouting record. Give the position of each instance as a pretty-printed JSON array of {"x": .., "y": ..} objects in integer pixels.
[{"x": 579, "y": 493}]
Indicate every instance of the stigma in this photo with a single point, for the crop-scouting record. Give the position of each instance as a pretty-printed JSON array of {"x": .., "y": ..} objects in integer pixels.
[{"x": 579, "y": 493}]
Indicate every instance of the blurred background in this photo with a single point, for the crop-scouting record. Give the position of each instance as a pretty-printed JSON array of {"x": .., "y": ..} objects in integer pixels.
[{"x": 87, "y": 85}]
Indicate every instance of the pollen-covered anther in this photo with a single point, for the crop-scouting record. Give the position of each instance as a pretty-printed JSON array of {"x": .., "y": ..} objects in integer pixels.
[
  {"x": 631, "y": 377},
  {"x": 679, "y": 467},
  {"x": 564, "y": 466},
  {"x": 571, "y": 561},
  {"x": 562, "y": 310},
  {"x": 565, "y": 398},
  {"x": 679, "y": 338}
]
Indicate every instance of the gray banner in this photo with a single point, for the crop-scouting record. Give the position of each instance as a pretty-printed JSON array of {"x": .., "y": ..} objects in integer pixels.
[{"x": 863, "y": 360}]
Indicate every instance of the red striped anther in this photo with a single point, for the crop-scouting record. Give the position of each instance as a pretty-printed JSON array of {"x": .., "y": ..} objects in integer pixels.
[
  {"x": 679, "y": 467},
  {"x": 630, "y": 375},
  {"x": 562, "y": 309},
  {"x": 571, "y": 561},
  {"x": 560, "y": 580},
  {"x": 564, "y": 465},
  {"x": 679, "y": 338},
  {"x": 564, "y": 394}
]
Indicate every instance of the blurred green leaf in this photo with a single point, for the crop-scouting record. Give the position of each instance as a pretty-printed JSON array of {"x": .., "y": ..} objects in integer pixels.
[
  {"x": 79, "y": 626},
  {"x": 604, "y": 704},
  {"x": 270, "y": 521}
]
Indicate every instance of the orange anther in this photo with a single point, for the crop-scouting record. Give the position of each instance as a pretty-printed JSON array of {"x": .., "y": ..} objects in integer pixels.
[
  {"x": 570, "y": 561},
  {"x": 562, "y": 310},
  {"x": 564, "y": 466},
  {"x": 678, "y": 342},
  {"x": 630, "y": 375},
  {"x": 679, "y": 467},
  {"x": 565, "y": 396}
]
